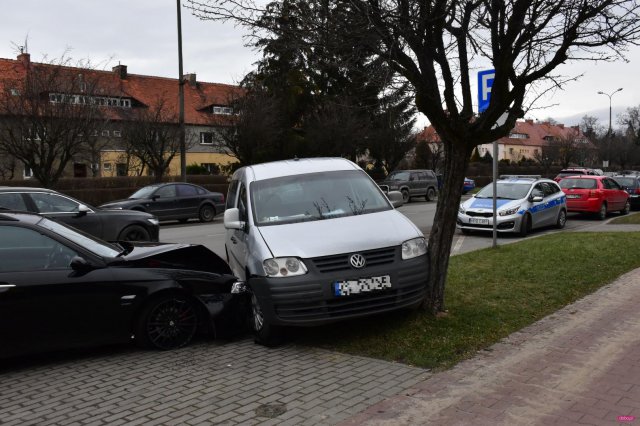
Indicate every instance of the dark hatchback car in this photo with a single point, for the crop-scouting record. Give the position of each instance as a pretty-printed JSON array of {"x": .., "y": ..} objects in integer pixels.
[
  {"x": 174, "y": 201},
  {"x": 61, "y": 288},
  {"x": 631, "y": 184},
  {"x": 110, "y": 225}
]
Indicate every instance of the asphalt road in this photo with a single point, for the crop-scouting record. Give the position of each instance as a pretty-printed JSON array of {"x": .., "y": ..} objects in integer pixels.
[{"x": 419, "y": 212}]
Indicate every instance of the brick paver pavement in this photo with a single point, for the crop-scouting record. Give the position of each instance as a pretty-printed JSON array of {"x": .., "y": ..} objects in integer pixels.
[
  {"x": 203, "y": 384},
  {"x": 580, "y": 365}
]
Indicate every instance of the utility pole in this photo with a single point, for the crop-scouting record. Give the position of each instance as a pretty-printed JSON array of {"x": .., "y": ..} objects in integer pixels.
[
  {"x": 610, "y": 95},
  {"x": 183, "y": 147}
]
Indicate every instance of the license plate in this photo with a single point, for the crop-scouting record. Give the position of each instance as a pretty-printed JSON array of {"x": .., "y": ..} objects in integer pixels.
[
  {"x": 361, "y": 285},
  {"x": 477, "y": 221},
  {"x": 573, "y": 196}
]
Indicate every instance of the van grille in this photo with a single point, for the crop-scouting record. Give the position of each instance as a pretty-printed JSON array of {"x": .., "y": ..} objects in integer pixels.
[{"x": 340, "y": 262}]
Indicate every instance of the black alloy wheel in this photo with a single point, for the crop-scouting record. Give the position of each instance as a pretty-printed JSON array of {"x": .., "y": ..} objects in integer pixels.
[
  {"x": 169, "y": 322},
  {"x": 207, "y": 213},
  {"x": 134, "y": 233},
  {"x": 405, "y": 195},
  {"x": 562, "y": 219}
]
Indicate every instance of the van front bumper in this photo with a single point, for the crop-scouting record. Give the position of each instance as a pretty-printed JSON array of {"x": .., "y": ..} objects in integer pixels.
[{"x": 309, "y": 299}]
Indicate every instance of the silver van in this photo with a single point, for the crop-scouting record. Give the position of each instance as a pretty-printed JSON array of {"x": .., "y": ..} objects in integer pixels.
[{"x": 317, "y": 241}]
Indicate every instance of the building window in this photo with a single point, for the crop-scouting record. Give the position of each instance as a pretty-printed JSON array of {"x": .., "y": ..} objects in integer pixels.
[
  {"x": 117, "y": 134},
  {"x": 519, "y": 136},
  {"x": 94, "y": 133},
  {"x": 27, "y": 173},
  {"x": 15, "y": 92},
  {"x": 121, "y": 169},
  {"x": 89, "y": 100},
  {"x": 107, "y": 167},
  {"x": 105, "y": 133},
  {"x": 222, "y": 110},
  {"x": 206, "y": 138}
]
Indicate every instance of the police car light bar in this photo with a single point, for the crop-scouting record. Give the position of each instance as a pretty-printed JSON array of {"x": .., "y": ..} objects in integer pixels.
[{"x": 520, "y": 176}]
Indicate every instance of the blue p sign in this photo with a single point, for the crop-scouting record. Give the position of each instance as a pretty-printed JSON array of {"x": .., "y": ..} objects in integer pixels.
[{"x": 485, "y": 81}]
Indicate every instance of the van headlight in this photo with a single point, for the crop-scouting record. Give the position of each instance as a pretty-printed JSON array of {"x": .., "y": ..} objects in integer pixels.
[
  {"x": 509, "y": 212},
  {"x": 461, "y": 209},
  {"x": 284, "y": 267},
  {"x": 414, "y": 248}
]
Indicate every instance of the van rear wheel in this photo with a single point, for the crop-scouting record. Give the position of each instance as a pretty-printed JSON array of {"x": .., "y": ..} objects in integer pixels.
[{"x": 264, "y": 333}]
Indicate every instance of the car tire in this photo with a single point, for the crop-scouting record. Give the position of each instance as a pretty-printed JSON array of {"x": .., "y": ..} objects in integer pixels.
[
  {"x": 562, "y": 219},
  {"x": 626, "y": 209},
  {"x": 206, "y": 213},
  {"x": 167, "y": 322},
  {"x": 602, "y": 213},
  {"x": 134, "y": 233},
  {"x": 264, "y": 334},
  {"x": 431, "y": 194},
  {"x": 525, "y": 226},
  {"x": 405, "y": 195}
]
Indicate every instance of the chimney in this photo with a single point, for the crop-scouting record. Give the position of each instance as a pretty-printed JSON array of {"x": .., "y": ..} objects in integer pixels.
[
  {"x": 121, "y": 71},
  {"x": 191, "y": 79},
  {"x": 528, "y": 121},
  {"x": 25, "y": 58},
  {"x": 561, "y": 125}
]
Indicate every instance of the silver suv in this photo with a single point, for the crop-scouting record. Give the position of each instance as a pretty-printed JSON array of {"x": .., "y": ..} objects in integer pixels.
[{"x": 412, "y": 183}]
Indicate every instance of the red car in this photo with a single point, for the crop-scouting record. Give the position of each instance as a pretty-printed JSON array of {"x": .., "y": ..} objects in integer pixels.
[{"x": 595, "y": 194}]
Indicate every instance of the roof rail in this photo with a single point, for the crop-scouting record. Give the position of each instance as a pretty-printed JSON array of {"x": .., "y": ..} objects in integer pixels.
[{"x": 520, "y": 176}]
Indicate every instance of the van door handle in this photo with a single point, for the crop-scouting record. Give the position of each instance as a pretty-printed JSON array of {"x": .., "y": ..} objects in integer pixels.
[{"x": 233, "y": 240}]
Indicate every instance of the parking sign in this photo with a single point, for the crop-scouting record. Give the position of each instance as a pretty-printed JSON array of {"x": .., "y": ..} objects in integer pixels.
[{"x": 485, "y": 81}]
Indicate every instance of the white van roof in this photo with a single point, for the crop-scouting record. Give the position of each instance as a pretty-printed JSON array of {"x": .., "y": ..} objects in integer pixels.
[{"x": 299, "y": 166}]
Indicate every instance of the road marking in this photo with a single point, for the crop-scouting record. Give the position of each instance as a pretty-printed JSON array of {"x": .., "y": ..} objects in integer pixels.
[{"x": 458, "y": 245}]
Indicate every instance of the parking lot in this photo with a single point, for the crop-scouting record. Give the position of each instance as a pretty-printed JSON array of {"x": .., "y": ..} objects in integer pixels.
[{"x": 212, "y": 382}]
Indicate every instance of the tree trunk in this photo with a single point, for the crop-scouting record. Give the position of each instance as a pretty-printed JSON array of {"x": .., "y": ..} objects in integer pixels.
[{"x": 456, "y": 161}]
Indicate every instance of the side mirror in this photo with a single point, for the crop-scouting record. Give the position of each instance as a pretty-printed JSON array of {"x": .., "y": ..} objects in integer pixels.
[
  {"x": 82, "y": 210},
  {"x": 80, "y": 264},
  {"x": 535, "y": 198},
  {"x": 395, "y": 197},
  {"x": 232, "y": 219},
  {"x": 154, "y": 197}
]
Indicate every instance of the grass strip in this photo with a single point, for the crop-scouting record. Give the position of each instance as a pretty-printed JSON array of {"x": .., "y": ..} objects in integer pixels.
[
  {"x": 631, "y": 219},
  {"x": 490, "y": 294}
]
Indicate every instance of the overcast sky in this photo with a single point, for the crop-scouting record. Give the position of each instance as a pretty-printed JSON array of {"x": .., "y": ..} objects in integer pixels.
[{"x": 142, "y": 34}]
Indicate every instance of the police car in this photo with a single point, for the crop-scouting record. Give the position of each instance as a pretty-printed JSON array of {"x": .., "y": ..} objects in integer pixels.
[{"x": 523, "y": 203}]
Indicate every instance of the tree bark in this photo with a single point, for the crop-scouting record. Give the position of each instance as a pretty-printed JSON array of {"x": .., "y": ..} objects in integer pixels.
[{"x": 444, "y": 225}]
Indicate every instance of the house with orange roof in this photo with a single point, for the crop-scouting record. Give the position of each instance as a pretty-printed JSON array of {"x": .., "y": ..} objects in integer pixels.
[
  {"x": 528, "y": 140},
  {"x": 123, "y": 98}
]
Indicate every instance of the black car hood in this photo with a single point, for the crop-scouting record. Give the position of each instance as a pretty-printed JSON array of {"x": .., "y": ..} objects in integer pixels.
[
  {"x": 171, "y": 256},
  {"x": 120, "y": 203}
]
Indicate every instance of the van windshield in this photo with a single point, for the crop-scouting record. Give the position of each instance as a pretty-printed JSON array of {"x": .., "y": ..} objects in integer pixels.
[{"x": 315, "y": 196}]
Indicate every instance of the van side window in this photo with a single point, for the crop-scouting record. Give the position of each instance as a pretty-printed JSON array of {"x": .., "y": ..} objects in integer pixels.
[
  {"x": 231, "y": 194},
  {"x": 242, "y": 203}
]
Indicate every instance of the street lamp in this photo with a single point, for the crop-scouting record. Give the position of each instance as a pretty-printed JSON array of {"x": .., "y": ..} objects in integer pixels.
[{"x": 610, "y": 95}]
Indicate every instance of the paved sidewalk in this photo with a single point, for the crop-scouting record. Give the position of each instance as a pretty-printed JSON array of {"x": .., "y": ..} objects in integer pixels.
[{"x": 580, "y": 365}]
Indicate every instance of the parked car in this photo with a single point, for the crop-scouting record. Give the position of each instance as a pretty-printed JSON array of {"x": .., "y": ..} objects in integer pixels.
[
  {"x": 412, "y": 183},
  {"x": 577, "y": 171},
  {"x": 317, "y": 241},
  {"x": 174, "y": 201},
  {"x": 110, "y": 225},
  {"x": 631, "y": 184},
  {"x": 61, "y": 288},
  {"x": 468, "y": 185},
  {"x": 523, "y": 204},
  {"x": 595, "y": 194}
]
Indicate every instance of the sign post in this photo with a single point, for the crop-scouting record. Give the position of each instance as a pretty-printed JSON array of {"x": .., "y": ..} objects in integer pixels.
[{"x": 485, "y": 82}]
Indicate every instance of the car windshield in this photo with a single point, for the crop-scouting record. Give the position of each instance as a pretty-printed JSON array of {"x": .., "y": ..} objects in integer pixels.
[
  {"x": 94, "y": 245},
  {"x": 630, "y": 182},
  {"x": 399, "y": 176},
  {"x": 506, "y": 190},
  {"x": 143, "y": 192},
  {"x": 315, "y": 196},
  {"x": 578, "y": 183}
]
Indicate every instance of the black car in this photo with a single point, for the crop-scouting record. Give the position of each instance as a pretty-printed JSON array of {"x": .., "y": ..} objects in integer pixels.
[
  {"x": 631, "y": 184},
  {"x": 174, "y": 201},
  {"x": 61, "y": 288},
  {"x": 412, "y": 183},
  {"x": 110, "y": 225}
]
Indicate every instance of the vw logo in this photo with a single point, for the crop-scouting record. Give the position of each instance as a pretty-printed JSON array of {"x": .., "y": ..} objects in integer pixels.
[{"x": 357, "y": 261}]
